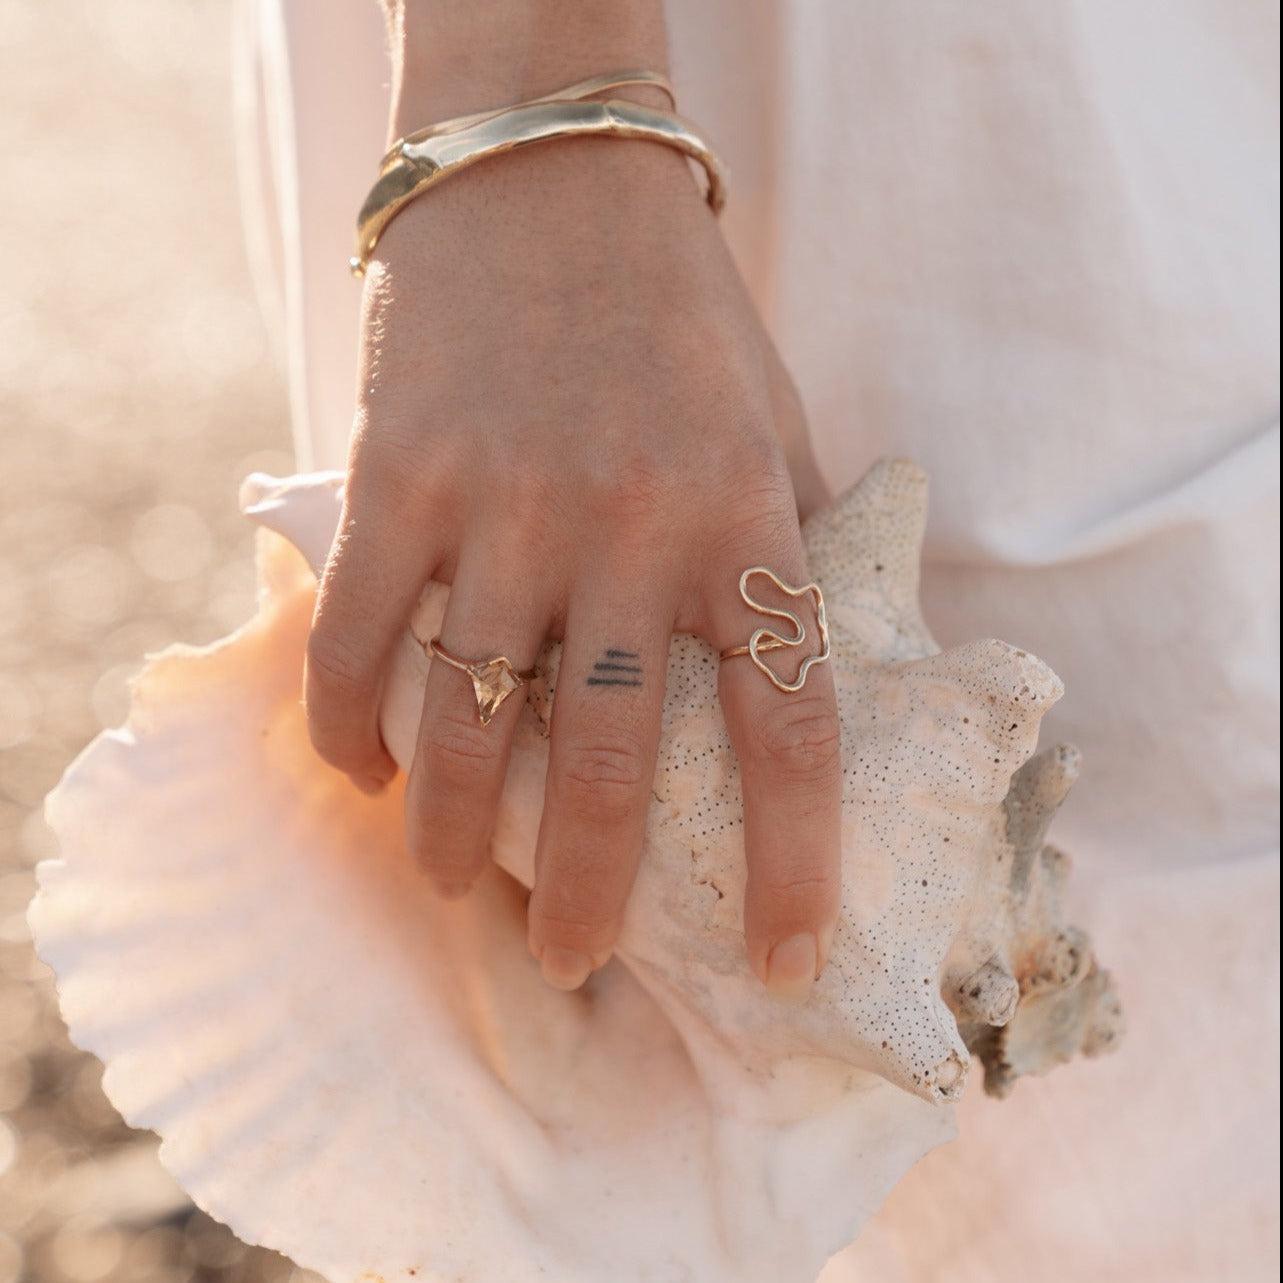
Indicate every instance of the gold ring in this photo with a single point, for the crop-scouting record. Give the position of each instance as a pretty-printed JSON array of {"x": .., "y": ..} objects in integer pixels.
[
  {"x": 765, "y": 639},
  {"x": 493, "y": 680}
]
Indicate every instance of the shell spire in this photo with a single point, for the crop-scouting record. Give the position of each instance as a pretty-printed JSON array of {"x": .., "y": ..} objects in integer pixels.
[{"x": 1037, "y": 791}]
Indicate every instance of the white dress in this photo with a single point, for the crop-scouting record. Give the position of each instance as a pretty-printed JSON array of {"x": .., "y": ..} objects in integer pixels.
[{"x": 1034, "y": 247}]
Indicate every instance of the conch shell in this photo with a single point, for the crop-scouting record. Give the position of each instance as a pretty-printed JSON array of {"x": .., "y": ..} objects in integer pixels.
[{"x": 376, "y": 1082}]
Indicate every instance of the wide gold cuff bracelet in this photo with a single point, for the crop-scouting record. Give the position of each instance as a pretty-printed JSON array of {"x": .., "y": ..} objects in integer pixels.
[{"x": 429, "y": 157}]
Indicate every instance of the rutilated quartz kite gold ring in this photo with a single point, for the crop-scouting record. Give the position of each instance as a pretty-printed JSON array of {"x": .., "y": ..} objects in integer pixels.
[
  {"x": 493, "y": 680},
  {"x": 766, "y": 639}
]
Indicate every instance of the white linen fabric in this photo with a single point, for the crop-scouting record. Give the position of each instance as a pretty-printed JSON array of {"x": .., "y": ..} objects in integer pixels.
[{"x": 1035, "y": 248}]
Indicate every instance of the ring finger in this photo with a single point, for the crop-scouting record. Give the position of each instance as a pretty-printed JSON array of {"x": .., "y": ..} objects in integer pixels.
[{"x": 787, "y": 743}]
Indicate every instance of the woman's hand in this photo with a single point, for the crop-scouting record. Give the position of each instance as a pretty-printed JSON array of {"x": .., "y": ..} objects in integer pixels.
[{"x": 569, "y": 411}]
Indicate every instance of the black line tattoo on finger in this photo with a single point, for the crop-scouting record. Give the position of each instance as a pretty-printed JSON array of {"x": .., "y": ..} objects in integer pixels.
[{"x": 616, "y": 668}]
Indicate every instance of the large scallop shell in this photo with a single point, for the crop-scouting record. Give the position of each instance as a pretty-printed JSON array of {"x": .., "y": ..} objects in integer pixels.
[{"x": 352, "y": 1071}]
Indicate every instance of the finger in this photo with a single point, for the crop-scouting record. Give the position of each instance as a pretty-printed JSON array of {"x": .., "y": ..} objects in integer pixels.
[
  {"x": 456, "y": 781},
  {"x": 372, "y": 580},
  {"x": 605, "y": 737},
  {"x": 788, "y": 750}
]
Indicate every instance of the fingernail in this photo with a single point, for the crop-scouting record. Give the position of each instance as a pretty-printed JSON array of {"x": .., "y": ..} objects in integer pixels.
[
  {"x": 790, "y": 969},
  {"x": 370, "y": 785},
  {"x": 565, "y": 968}
]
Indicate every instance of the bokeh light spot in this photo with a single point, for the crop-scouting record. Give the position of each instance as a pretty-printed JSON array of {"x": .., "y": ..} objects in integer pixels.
[
  {"x": 171, "y": 542},
  {"x": 89, "y": 584}
]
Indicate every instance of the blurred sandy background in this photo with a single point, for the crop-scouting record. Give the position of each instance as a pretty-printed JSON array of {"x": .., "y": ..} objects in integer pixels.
[{"x": 137, "y": 385}]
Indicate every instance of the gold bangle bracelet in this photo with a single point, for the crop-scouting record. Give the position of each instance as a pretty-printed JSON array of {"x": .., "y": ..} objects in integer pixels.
[
  {"x": 571, "y": 93},
  {"x": 418, "y": 166}
]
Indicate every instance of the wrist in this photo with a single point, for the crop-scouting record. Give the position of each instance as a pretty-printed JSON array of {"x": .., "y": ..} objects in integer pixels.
[
  {"x": 588, "y": 199},
  {"x": 449, "y": 58}
]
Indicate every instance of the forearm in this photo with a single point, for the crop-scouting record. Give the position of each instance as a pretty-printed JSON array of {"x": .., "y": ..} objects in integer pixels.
[{"x": 455, "y": 56}]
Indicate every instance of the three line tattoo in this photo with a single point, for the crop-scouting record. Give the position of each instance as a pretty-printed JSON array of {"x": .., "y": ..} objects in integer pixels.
[{"x": 617, "y": 668}]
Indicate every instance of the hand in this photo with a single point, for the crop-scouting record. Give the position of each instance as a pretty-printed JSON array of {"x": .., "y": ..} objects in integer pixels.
[{"x": 569, "y": 411}]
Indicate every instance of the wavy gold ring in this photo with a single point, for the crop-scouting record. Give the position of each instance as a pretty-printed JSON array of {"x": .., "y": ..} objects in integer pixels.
[
  {"x": 493, "y": 680},
  {"x": 766, "y": 639}
]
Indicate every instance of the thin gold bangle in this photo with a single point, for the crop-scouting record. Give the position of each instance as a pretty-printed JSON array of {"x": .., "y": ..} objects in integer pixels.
[
  {"x": 577, "y": 92},
  {"x": 421, "y": 165}
]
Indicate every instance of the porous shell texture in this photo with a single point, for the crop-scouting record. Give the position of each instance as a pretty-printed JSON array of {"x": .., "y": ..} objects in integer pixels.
[{"x": 348, "y": 1069}]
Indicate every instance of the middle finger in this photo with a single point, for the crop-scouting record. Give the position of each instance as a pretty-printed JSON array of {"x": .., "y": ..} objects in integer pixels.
[{"x": 605, "y": 738}]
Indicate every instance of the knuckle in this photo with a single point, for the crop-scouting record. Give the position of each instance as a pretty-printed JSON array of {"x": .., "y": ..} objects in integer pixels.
[
  {"x": 754, "y": 459},
  {"x": 386, "y": 430},
  {"x": 602, "y": 775},
  {"x": 385, "y": 457},
  {"x": 431, "y": 855},
  {"x": 397, "y": 462},
  {"x": 762, "y": 507},
  {"x": 758, "y": 510},
  {"x": 636, "y": 491},
  {"x": 800, "y": 739},
  {"x": 527, "y": 509},
  {"x": 582, "y": 924},
  {"x": 378, "y": 485},
  {"x": 334, "y": 667},
  {"x": 457, "y": 751},
  {"x": 333, "y": 696},
  {"x": 793, "y": 881}
]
